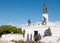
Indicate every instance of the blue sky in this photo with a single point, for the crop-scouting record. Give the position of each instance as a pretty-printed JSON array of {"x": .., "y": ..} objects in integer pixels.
[{"x": 19, "y": 11}]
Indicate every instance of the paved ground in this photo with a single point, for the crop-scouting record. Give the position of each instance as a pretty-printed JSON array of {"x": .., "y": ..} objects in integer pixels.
[
  {"x": 2, "y": 41},
  {"x": 5, "y": 42}
]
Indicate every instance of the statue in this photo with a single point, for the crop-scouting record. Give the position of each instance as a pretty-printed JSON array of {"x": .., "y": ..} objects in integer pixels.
[
  {"x": 45, "y": 8},
  {"x": 44, "y": 21},
  {"x": 29, "y": 22}
]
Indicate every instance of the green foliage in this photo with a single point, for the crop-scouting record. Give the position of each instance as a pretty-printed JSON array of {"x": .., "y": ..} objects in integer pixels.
[
  {"x": 6, "y": 29},
  {"x": 19, "y": 30}
]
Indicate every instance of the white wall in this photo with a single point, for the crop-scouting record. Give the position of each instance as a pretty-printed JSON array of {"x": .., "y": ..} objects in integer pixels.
[
  {"x": 55, "y": 31},
  {"x": 31, "y": 31}
]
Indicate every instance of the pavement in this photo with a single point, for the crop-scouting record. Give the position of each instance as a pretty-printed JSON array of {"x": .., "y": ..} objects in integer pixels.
[{"x": 5, "y": 42}]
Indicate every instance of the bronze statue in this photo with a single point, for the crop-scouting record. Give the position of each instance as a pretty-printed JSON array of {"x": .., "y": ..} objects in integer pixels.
[
  {"x": 45, "y": 8},
  {"x": 44, "y": 21}
]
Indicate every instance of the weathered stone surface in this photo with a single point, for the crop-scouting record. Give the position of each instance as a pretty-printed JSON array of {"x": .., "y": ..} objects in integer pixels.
[{"x": 47, "y": 32}]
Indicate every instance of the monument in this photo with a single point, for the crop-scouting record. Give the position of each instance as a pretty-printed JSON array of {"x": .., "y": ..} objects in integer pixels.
[{"x": 42, "y": 28}]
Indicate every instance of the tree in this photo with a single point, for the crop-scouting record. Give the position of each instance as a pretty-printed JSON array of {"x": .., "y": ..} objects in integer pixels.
[
  {"x": 13, "y": 29},
  {"x": 6, "y": 29},
  {"x": 19, "y": 30}
]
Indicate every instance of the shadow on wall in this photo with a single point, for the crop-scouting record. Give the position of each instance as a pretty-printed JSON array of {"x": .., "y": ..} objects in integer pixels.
[{"x": 47, "y": 32}]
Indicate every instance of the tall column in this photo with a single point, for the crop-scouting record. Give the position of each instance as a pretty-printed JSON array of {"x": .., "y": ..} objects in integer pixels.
[{"x": 45, "y": 15}]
